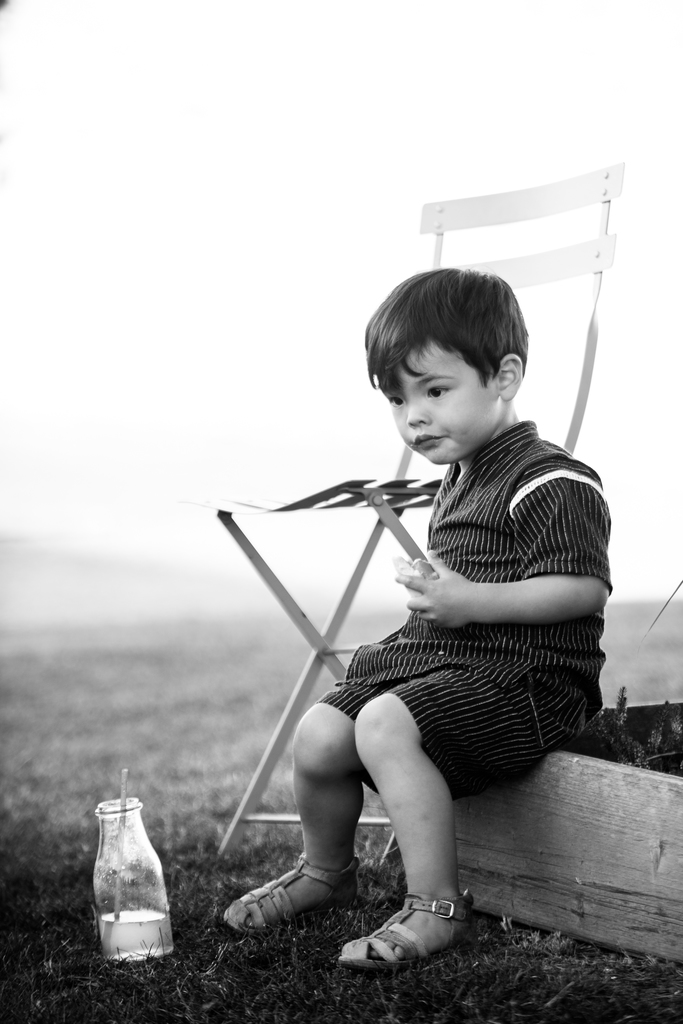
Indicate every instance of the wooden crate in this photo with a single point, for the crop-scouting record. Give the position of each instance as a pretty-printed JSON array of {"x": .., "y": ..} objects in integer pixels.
[{"x": 583, "y": 846}]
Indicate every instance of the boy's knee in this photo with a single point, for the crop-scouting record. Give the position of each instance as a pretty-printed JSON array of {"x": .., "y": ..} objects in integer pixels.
[
  {"x": 385, "y": 720},
  {"x": 323, "y": 740},
  {"x": 373, "y": 716}
]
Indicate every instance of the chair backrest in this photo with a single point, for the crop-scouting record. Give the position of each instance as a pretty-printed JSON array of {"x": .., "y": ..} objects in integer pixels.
[{"x": 591, "y": 257}]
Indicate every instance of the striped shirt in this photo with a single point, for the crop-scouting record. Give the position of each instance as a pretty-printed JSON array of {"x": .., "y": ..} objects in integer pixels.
[{"x": 525, "y": 508}]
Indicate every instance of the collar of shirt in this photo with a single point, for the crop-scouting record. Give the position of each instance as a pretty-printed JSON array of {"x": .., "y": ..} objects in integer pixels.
[{"x": 503, "y": 445}]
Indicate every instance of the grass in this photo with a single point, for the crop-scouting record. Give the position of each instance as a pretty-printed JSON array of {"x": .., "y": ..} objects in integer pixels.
[{"x": 188, "y": 707}]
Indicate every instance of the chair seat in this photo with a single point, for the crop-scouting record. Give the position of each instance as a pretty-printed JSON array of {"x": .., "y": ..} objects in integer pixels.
[{"x": 399, "y": 494}]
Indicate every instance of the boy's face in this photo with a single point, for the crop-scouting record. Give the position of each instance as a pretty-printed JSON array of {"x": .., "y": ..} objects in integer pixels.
[{"x": 445, "y": 413}]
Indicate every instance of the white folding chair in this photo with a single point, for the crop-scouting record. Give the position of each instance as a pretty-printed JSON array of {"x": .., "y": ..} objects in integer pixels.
[{"x": 391, "y": 499}]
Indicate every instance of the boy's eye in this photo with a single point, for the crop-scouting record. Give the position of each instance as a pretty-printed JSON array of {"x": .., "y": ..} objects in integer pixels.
[
  {"x": 435, "y": 392},
  {"x": 395, "y": 400}
]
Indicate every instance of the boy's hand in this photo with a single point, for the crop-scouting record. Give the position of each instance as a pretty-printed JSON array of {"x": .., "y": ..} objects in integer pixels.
[
  {"x": 451, "y": 600},
  {"x": 417, "y": 567},
  {"x": 444, "y": 598}
]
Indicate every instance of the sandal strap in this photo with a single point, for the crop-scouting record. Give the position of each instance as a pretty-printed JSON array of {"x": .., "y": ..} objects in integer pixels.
[
  {"x": 408, "y": 940},
  {"x": 268, "y": 905},
  {"x": 456, "y": 910},
  {"x": 330, "y": 878},
  {"x": 392, "y": 932}
]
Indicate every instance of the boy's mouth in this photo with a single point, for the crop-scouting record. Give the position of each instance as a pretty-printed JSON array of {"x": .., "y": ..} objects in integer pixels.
[{"x": 423, "y": 439}]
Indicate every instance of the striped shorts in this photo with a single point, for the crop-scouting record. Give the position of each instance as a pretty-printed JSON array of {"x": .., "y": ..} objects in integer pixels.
[{"x": 474, "y": 730}]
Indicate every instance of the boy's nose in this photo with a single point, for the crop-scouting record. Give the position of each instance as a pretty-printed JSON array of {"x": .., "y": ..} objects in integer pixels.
[{"x": 416, "y": 414}]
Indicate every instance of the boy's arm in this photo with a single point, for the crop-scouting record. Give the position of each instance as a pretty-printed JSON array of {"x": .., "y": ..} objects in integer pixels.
[{"x": 452, "y": 600}]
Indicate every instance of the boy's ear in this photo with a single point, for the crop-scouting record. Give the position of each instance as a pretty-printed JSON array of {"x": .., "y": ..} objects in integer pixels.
[{"x": 510, "y": 376}]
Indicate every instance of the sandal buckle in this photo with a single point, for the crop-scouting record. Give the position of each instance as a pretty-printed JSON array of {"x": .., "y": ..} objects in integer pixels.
[{"x": 441, "y": 905}]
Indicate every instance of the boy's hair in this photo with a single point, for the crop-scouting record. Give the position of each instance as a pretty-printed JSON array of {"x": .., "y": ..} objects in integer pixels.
[{"x": 463, "y": 311}]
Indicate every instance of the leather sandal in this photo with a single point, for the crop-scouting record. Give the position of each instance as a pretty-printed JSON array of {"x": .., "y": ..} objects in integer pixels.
[
  {"x": 268, "y": 906},
  {"x": 356, "y": 955}
]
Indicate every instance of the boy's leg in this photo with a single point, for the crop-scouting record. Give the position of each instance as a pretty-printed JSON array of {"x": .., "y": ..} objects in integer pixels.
[
  {"x": 419, "y": 804},
  {"x": 329, "y": 797},
  {"x": 327, "y": 785}
]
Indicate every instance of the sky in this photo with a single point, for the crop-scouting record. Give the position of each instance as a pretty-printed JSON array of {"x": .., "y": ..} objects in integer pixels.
[{"x": 202, "y": 204}]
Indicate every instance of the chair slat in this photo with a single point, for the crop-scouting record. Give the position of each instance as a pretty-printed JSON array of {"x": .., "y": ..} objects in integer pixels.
[
  {"x": 556, "y": 265},
  {"x": 525, "y": 204}
]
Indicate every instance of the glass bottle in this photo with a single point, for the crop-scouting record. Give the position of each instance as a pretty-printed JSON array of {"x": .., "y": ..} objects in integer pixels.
[{"x": 130, "y": 896}]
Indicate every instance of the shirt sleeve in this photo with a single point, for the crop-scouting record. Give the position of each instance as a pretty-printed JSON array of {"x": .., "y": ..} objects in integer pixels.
[{"x": 562, "y": 525}]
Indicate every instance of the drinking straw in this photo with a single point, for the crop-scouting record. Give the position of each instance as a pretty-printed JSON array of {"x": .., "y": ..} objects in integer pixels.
[{"x": 119, "y": 859}]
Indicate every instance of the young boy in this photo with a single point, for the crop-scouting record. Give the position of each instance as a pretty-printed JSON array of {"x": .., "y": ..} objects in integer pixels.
[{"x": 499, "y": 660}]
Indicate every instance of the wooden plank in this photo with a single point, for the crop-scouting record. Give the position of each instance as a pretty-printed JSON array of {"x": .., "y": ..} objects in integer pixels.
[{"x": 582, "y": 846}]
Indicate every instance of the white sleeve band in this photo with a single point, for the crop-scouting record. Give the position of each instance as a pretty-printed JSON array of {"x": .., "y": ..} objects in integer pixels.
[{"x": 556, "y": 474}]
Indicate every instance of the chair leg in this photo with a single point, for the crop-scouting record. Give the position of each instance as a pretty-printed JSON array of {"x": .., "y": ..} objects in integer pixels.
[
  {"x": 392, "y": 853},
  {"x": 300, "y": 695},
  {"x": 274, "y": 750}
]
